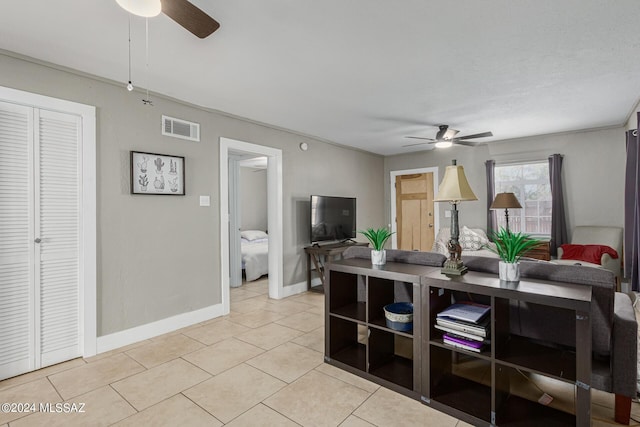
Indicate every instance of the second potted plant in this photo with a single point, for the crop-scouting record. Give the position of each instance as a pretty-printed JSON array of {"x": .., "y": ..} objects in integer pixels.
[
  {"x": 377, "y": 238},
  {"x": 510, "y": 247}
]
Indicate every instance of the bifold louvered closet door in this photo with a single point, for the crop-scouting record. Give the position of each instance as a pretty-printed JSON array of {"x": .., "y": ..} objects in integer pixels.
[{"x": 39, "y": 238}]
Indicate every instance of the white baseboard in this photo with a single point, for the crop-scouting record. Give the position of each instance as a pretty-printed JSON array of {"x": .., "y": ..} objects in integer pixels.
[
  {"x": 159, "y": 327},
  {"x": 298, "y": 288}
]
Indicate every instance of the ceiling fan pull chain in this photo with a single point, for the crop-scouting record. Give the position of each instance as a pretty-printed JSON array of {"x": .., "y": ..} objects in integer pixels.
[
  {"x": 129, "y": 85},
  {"x": 146, "y": 43}
]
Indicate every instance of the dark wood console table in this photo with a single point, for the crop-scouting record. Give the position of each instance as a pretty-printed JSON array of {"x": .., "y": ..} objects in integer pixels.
[
  {"x": 480, "y": 388},
  {"x": 319, "y": 254}
]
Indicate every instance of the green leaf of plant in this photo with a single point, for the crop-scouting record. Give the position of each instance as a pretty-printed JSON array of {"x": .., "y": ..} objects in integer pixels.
[
  {"x": 510, "y": 247},
  {"x": 377, "y": 237}
]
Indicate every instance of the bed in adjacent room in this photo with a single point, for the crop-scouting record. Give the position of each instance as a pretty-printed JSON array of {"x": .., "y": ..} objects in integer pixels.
[{"x": 255, "y": 254}]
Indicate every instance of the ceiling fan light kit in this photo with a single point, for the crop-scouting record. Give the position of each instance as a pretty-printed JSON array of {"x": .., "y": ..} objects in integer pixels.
[
  {"x": 444, "y": 144},
  {"x": 145, "y": 8}
]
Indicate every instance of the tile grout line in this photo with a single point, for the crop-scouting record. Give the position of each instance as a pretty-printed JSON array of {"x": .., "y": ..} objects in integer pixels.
[
  {"x": 197, "y": 367},
  {"x": 39, "y": 377},
  {"x": 55, "y": 388},
  {"x": 126, "y": 400},
  {"x": 199, "y": 406},
  {"x": 273, "y": 376},
  {"x": 360, "y": 405}
]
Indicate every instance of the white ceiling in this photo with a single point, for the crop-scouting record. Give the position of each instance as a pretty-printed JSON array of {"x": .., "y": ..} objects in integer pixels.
[{"x": 364, "y": 73}]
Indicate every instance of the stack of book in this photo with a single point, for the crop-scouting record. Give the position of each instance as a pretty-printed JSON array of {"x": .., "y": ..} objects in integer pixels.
[{"x": 466, "y": 325}]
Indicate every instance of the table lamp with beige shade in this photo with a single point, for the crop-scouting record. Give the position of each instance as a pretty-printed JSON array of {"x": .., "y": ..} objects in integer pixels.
[{"x": 454, "y": 189}]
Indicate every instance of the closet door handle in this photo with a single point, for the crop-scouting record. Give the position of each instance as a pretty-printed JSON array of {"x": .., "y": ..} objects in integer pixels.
[{"x": 38, "y": 240}]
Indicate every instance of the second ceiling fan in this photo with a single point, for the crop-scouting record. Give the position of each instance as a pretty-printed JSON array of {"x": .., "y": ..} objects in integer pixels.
[{"x": 447, "y": 137}]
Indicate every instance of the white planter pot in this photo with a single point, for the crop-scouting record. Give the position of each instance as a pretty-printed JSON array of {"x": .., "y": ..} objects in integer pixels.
[
  {"x": 378, "y": 257},
  {"x": 509, "y": 271}
]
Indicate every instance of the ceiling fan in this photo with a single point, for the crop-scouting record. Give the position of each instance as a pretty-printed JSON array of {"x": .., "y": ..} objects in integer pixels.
[
  {"x": 181, "y": 11},
  {"x": 447, "y": 137}
]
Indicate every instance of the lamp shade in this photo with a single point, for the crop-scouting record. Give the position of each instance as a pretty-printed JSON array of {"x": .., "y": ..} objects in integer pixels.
[
  {"x": 145, "y": 8},
  {"x": 505, "y": 201},
  {"x": 454, "y": 186}
]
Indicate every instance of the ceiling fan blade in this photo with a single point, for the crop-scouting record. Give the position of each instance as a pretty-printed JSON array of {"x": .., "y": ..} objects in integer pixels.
[
  {"x": 190, "y": 17},
  {"x": 419, "y": 143},
  {"x": 466, "y": 143},
  {"x": 477, "y": 135},
  {"x": 419, "y": 137}
]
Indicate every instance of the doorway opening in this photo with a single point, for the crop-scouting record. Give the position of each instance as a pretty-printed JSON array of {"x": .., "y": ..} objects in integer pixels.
[{"x": 231, "y": 153}]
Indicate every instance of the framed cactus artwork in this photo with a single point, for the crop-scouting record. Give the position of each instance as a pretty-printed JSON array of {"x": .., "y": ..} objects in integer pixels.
[{"x": 153, "y": 173}]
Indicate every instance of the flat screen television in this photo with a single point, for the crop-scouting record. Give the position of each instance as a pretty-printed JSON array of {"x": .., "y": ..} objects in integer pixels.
[{"x": 332, "y": 218}]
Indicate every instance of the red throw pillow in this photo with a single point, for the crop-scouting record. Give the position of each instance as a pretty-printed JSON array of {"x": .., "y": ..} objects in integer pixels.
[{"x": 587, "y": 253}]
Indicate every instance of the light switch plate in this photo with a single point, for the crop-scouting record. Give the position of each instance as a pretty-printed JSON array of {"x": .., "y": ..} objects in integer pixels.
[
  {"x": 447, "y": 213},
  {"x": 205, "y": 201}
]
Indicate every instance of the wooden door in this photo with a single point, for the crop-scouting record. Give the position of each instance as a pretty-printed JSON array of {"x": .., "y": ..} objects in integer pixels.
[{"x": 414, "y": 211}]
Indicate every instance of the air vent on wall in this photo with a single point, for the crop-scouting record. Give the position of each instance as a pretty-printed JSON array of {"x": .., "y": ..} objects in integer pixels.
[{"x": 180, "y": 128}]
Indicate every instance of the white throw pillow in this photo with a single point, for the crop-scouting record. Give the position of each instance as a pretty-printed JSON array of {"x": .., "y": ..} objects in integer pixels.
[
  {"x": 472, "y": 240},
  {"x": 252, "y": 235}
]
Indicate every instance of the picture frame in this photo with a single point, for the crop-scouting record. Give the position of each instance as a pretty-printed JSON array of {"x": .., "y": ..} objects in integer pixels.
[{"x": 157, "y": 174}]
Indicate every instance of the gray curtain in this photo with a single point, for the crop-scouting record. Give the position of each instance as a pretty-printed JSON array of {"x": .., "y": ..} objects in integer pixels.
[
  {"x": 558, "y": 218},
  {"x": 491, "y": 191},
  {"x": 632, "y": 211}
]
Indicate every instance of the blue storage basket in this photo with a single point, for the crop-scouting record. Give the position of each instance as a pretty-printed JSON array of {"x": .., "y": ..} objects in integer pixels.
[{"x": 399, "y": 316}]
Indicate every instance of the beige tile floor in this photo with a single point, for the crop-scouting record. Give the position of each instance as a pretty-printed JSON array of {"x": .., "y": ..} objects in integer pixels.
[{"x": 262, "y": 365}]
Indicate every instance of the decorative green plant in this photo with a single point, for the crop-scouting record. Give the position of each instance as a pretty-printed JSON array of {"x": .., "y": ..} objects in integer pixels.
[
  {"x": 510, "y": 246},
  {"x": 377, "y": 238}
]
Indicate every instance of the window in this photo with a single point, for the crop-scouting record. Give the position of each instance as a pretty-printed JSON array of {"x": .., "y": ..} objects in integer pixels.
[{"x": 531, "y": 185}]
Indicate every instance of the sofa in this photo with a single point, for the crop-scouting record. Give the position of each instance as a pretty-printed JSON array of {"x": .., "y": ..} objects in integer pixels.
[{"x": 614, "y": 326}]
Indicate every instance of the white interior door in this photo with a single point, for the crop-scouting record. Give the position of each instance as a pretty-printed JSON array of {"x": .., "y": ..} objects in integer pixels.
[
  {"x": 17, "y": 299},
  {"x": 57, "y": 229},
  {"x": 39, "y": 238}
]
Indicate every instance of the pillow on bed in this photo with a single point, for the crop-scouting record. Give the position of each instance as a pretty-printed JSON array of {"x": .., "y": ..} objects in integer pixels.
[{"x": 251, "y": 235}]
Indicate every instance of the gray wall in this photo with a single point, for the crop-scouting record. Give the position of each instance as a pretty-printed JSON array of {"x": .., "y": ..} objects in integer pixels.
[
  {"x": 253, "y": 199},
  {"x": 158, "y": 256},
  {"x": 593, "y": 171}
]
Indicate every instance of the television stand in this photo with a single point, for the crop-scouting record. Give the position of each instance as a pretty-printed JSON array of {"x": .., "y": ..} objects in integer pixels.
[
  {"x": 348, "y": 241},
  {"x": 320, "y": 254}
]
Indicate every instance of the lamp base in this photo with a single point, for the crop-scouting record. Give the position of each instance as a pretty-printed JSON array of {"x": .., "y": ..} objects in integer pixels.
[{"x": 454, "y": 268}]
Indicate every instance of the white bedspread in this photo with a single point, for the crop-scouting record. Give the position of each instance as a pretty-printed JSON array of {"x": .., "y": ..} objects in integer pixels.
[{"x": 255, "y": 258}]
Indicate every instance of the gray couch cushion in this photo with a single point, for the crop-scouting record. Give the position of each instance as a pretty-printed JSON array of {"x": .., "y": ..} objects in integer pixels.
[
  {"x": 395, "y": 255},
  {"x": 539, "y": 322}
]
